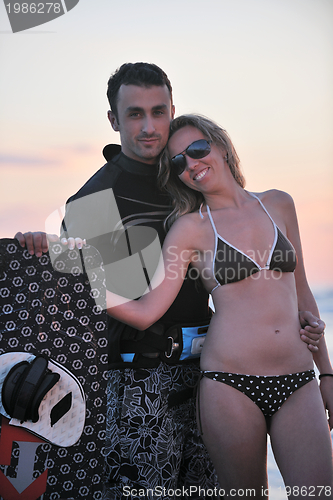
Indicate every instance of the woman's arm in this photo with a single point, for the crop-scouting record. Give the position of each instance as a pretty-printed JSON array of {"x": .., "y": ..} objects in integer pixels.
[
  {"x": 306, "y": 302},
  {"x": 176, "y": 255}
]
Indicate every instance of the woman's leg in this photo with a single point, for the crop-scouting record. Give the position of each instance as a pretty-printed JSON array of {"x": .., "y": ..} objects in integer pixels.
[
  {"x": 235, "y": 434},
  {"x": 302, "y": 444}
]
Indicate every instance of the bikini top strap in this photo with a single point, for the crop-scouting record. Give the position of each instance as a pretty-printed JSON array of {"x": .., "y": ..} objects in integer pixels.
[
  {"x": 262, "y": 206},
  {"x": 200, "y": 211},
  {"x": 211, "y": 220}
]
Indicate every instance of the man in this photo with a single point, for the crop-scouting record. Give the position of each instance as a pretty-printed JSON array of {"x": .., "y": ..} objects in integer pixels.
[{"x": 152, "y": 439}]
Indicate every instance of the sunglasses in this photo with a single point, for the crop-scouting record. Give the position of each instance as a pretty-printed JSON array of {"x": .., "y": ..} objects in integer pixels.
[{"x": 197, "y": 150}]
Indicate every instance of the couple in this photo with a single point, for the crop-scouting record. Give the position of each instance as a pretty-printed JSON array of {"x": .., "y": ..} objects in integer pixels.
[{"x": 171, "y": 454}]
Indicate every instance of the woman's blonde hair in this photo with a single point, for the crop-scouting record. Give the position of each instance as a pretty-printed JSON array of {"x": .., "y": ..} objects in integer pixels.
[{"x": 185, "y": 199}]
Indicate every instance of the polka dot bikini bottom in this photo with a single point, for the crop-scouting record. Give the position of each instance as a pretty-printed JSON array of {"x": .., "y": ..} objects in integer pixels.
[{"x": 267, "y": 392}]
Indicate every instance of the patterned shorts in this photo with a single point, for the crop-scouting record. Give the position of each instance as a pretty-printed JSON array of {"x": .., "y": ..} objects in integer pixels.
[{"x": 151, "y": 447}]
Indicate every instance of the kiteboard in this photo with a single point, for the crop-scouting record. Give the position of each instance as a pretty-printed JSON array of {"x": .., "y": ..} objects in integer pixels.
[{"x": 53, "y": 373}]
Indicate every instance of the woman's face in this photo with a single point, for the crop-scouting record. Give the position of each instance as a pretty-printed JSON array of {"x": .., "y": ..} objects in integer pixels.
[{"x": 198, "y": 173}]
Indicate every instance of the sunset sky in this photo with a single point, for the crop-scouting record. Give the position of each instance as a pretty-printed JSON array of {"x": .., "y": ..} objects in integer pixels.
[{"x": 261, "y": 68}]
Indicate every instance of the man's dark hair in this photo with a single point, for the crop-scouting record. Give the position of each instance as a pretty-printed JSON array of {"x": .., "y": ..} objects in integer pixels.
[{"x": 140, "y": 74}]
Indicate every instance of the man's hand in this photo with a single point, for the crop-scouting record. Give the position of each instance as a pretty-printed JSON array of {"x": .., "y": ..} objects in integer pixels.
[
  {"x": 312, "y": 329},
  {"x": 36, "y": 243}
]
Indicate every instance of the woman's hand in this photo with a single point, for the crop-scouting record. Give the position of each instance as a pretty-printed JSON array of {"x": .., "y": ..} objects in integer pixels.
[{"x": 73, "y": 242}]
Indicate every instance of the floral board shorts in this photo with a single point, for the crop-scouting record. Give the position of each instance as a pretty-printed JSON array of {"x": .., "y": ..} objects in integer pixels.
[{"x": 154, "y": 451}]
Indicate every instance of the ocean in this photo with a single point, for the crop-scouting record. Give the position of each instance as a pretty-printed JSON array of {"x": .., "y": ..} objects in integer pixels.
[{"x": 324, "y": 298}]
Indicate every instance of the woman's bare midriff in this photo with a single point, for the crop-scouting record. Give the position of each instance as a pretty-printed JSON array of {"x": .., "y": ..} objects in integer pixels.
[{"x": 255, "y": 328}]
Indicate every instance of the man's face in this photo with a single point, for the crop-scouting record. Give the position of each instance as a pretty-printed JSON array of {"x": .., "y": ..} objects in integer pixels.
[{"x": 144, "y": 115}]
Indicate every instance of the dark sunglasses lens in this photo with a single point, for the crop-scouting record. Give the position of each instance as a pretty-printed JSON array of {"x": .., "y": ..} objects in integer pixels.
[
  {"x": 198, "y": 149},
  {"x": 179, "y": 162}
]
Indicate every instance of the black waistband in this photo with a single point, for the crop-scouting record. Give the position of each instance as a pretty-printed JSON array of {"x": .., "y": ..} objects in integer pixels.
[{"x": 148, "y": 348}]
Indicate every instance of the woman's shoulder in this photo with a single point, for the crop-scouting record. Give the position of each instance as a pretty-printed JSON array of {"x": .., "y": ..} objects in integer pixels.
[
  {"x": 188, "y": 222},
  {"x": 276, "y": 198},
  {"x": 188, "y": 228}
]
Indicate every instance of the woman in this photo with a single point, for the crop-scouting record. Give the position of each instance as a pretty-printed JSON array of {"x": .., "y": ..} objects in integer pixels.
[{"x": 257, "y": 375}]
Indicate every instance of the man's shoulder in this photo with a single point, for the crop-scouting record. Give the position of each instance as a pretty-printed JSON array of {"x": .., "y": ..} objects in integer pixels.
[{"x": 105, "y": 177}]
